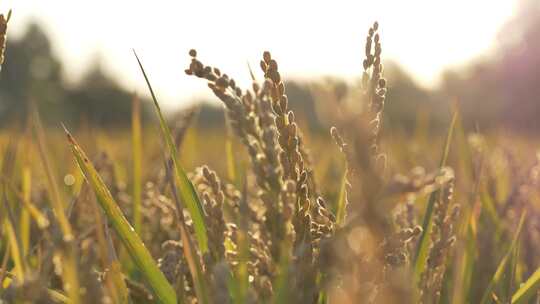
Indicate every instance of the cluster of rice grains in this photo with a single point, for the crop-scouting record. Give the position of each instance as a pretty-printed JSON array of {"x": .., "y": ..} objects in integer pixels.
[
  {"x": 3, "y": 33},
  {"x": 273, "y": 233},
  {"x": 289, "y": 218},
  {"x": 367, "y": 254},
  {"x": 383, "y": 245}
]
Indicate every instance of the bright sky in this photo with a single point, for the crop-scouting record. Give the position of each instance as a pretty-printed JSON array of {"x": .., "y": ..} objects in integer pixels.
[{"x": 309, "y": 38}]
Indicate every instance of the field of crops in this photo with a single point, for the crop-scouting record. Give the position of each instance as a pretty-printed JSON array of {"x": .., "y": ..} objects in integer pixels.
[{"x": 264, "y": 211}]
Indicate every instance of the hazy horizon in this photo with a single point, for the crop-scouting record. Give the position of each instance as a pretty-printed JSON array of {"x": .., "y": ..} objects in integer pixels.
[{"x": 309, "y": 39}]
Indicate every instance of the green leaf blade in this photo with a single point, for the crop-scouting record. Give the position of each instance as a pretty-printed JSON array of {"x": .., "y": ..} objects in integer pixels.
[
  {"x": 187, "y": 192},
  {"x": 136, "y": 248},
  {"x": 527, "y": 289}
]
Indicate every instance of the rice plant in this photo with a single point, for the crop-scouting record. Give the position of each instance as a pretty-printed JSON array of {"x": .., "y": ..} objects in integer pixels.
[{"x": 271, "y": 226}]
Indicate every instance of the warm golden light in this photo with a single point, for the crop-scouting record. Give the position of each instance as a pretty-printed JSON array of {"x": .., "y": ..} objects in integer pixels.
[{"x": 309, "y": 37}]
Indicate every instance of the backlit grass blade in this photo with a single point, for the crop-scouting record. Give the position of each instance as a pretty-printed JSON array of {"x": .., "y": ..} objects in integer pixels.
[
  {"x": 340, "y": 212},
  {"x": 160, "y": 286},
  {"x": 24, "y": 222},
  {"x": 527, "y": 289},
  {"x": 186, "y": 191},
  {"x": 14, "y": 240},
  {"x": 40, "y": 218},
  {"x": 502, "y": 265},
  {"x": 68, "y": 253},
  {"x": 231, "y": 161},
  {"x": 26, "y": 188},
  {"x": 3, "y": 269},
  {"x": 467, "y": 235},
  {"x": 423, "y": 244},
  {"x": 8, "y": 216},
  {"x": 510, "y": 279},
  {"x": 15, "y": 250},
  {"x": 136, "y": 141}
]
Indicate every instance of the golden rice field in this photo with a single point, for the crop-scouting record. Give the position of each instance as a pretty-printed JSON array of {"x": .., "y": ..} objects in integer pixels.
[{"x": 263, "y": 211}]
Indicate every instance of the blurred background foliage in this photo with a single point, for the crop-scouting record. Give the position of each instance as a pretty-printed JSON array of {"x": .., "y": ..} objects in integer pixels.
[
  {"x": 33, "y": 73},
  {"x": 494, "y": 92}
]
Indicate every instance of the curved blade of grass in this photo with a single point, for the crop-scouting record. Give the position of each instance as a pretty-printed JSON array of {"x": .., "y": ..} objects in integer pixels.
[
  {"x": 502, "y": 265},
  {"x": 139, "y": 253},
  {"x": 420, "y": 257},
  {"x": 183, "y": 184},
  {"x": 527, "y": 289}
]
